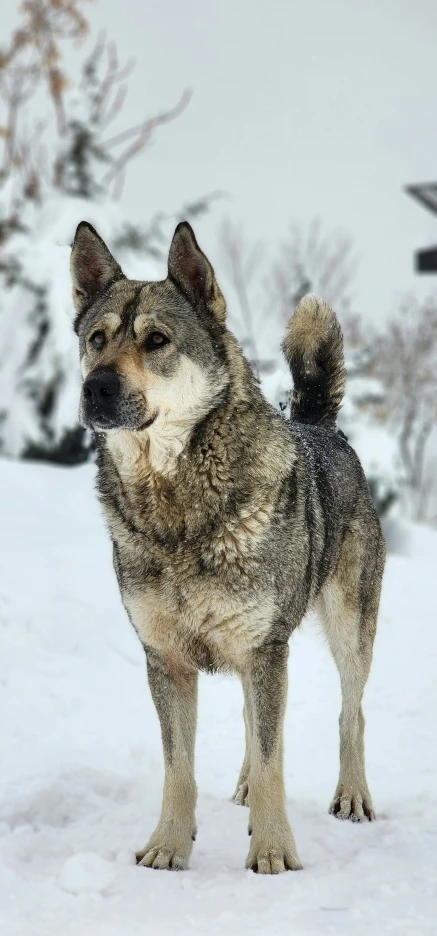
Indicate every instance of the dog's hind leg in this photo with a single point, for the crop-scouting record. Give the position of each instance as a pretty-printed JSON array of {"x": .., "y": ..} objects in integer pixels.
[
  {"x": 174, "y": 693},
  {"x": 348, "y": 608},
  {"x": 241, "y": 795}
]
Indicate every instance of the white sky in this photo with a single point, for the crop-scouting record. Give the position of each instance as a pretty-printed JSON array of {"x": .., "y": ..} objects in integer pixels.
[{"x": 322, "y": 108}]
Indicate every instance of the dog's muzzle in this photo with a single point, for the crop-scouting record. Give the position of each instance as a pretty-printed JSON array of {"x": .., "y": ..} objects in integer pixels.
[
  {"x": 100, "y": 398},
  {"x": 105, "y": 404}
]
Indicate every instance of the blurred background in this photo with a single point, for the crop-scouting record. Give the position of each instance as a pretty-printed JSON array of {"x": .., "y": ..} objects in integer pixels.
[{"x": 287, "y": 134}]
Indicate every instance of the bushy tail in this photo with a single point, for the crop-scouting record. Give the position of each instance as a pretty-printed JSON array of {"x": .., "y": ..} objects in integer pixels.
[{"x": 313, "y": 346}]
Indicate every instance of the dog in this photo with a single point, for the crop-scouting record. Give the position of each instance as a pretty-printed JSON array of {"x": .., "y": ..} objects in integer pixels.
[{"x": 228, "y": 523}]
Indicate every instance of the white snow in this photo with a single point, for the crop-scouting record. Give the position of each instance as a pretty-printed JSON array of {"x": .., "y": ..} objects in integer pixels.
[
  {"x": 85, "y": 873},
  {"x": 82, "y": 767}
]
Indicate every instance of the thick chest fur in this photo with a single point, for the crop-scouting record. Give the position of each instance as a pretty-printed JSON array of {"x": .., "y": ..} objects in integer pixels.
[
  {"x": 204, "y": 556},
  {"x": 198, "y": 623},
  {"x": 205, "y": 602}
]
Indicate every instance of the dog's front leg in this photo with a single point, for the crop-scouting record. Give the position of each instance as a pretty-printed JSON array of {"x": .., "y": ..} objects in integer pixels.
[
  {"x": 174, "y": 693},
  {"x": 272, "y": 848}
]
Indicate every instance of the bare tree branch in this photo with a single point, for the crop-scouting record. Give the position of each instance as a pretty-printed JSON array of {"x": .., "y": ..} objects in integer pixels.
[
  {"x": 310, "y": 261},
  {"x": 405, "y": 360},
  {"x": 142, "y": 135},
  {"x": 241, "y": 261}
]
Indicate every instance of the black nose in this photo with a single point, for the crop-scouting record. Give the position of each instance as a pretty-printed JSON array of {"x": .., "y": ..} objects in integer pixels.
[{"x": 101, "y": 387}]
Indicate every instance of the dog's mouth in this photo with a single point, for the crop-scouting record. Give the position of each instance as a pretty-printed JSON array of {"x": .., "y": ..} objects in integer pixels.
[
  {"x": 146, "y": 424},
  {"x": 109, "y": 426}
]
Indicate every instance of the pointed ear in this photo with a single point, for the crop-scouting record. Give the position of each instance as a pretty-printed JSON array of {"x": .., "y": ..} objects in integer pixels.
[
  {"x": 92, "y": 266},
  {"x": 192, "y": 272}
]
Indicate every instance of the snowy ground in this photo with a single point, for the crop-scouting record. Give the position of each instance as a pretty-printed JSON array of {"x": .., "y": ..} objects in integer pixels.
[{"x": 82, "y": 770}]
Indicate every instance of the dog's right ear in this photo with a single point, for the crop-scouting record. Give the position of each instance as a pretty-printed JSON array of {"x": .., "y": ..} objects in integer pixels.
[{"x": 92, "y": 266}]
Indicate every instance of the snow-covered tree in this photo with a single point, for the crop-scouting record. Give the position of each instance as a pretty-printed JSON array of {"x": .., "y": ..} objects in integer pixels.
[{"x": 42, "y": 199}]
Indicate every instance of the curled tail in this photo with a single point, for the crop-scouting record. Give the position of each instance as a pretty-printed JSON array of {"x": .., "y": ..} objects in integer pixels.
[{"x": 313, "y": 346}]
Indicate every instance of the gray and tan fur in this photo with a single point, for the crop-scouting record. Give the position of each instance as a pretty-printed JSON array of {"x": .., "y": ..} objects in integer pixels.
[{"x": 228, "y": 523}]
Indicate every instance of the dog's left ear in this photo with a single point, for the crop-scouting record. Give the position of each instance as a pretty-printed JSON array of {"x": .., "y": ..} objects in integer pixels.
[
  {"x": 92, "y": 266},
  {"x": 192, "y": 272}
]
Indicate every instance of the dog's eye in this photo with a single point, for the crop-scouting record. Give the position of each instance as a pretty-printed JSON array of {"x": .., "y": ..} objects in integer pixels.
[
  {"x": 98, "y": 340},
  {"x": 156, "y": 340}
]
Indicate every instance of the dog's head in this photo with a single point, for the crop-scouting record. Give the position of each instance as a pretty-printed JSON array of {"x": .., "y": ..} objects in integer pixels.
[{"x": 152, "y": 353}]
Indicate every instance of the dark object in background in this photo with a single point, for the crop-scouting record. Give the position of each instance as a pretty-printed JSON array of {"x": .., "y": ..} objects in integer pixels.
[
  {"x": 74, "y": 448},
  {"x": 426, "y": 260},
  {"x": 425, "y": 193},
  {"x": 382, "y": 497}
]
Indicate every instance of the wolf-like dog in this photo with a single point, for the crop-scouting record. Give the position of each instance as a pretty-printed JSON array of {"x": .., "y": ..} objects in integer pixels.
[{"x": 228, "y": 523}]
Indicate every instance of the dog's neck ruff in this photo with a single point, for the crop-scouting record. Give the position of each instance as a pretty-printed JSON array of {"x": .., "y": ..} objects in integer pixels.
[
  {"x": 156, "y": 448},
  {"x": 179, "y": 475},
  {"x": 160, "y": 445},
  {"x": 189, "y": 400}
]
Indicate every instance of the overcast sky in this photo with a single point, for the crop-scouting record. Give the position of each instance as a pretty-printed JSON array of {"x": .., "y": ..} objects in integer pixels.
[{"x": 322, "y": 108}]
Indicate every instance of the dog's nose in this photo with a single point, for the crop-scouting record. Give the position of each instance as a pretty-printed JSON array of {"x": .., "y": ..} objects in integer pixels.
[{"x": 101, "y": 387}]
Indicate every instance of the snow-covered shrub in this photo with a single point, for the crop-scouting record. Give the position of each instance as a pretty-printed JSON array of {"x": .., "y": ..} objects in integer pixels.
[
  {"x": 39, "y": 364},
  {"x": 39, "y": 211}
]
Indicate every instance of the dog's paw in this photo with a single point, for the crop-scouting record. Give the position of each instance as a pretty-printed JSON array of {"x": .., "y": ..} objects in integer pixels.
[
  {"x": 267, "y": 857},
  {"x": 165, "y": 853},
  {"x": 356, "y": 806},
  {"x": 241, "y": 795}
]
